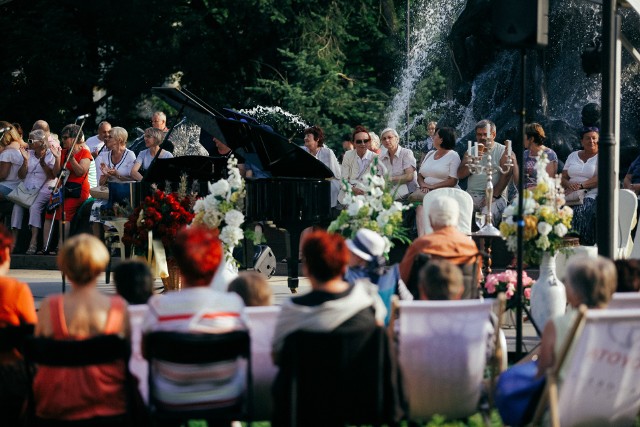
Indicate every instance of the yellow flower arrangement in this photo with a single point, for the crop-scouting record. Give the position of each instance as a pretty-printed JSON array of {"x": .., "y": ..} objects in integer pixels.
[{"x": 546, "y": 219}]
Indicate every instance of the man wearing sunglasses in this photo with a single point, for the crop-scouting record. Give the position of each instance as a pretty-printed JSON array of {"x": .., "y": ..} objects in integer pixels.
[{"x": 357, "y": 162}]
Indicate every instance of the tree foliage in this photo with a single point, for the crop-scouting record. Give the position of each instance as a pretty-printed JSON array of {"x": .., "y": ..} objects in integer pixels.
[{"x": 333, "y": 63}]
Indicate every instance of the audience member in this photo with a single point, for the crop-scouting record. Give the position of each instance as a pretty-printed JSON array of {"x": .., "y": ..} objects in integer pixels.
[
  {"x": 196, "y": 308},
  {"x": 152, "y": 139},
  {"x": 428, "y": 143},
  {"x": 356, "y": 163},
  {"x": 534, "y": 146},
  {"x": 400, "y": 164},
  {"x": 580, "y": 181},
  {"x": 440, "y": 280},
  {"x": 628, "y": 275},
  {"x": 16, "y": 308},
  {"x": 77, "y": 185},
  {"x": 96, "y": 392},
  {"x": 477, "y": 183},
  {"x": 332, "y": 304},
  {"x": 374, "y": 144},
  {"x": 13, "y": 159},
  {"x": 52, "y": 139},
  {"x": 43, "y": 166},
  {"x": 347, "y": 145},
  {"x": 446, "y": 241},
  {"x": 314, "y": 145},
  {"x": 97, "y": 142},
  {"x": 253, "y": 288},
  {"x": 159, "y": 121}
]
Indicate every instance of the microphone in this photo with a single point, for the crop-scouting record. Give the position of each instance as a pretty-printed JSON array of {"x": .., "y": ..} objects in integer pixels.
[
  {"x": 84, "y": 116},
  {"x": 181, "y": 122},
  {"x": 7, "y": 129},
  {"x": 140, "y": 131}
]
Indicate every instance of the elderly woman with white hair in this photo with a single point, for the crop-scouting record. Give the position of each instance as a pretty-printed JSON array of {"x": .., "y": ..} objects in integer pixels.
[
  {"x": 446, "y": 241},
  {"x": 400, "y": 164}
]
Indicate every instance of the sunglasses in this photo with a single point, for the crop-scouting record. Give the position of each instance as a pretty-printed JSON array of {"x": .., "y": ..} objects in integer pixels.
[
  {"x": 362, "y": 141},
  {"x": 33, "y": 141}
]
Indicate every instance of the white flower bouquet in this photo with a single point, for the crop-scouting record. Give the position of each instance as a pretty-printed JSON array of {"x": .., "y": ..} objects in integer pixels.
[
  {"x": 546, "y": 219},
  {"x": 375, "y": 210},
  {"x": 222, "y": 209}
]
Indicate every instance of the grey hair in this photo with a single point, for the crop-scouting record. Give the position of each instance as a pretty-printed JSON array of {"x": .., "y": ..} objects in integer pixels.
[
  {"x": 444, "y": 211},
  {"x": 392, "y": 130},
  {"x": 119, "y": 133},
  {"x": 156, "y": 134},
  {"x": 483, "y": 124}
]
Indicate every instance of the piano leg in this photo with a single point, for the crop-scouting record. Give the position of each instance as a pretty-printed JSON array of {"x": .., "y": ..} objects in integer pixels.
[{"x": 292, "y": 260}]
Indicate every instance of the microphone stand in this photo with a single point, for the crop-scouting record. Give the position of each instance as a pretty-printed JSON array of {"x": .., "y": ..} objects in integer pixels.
[{"x": 61, "y": 180}]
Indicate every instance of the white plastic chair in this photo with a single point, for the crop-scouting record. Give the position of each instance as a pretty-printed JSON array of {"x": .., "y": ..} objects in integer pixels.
[
  {"x": 442, "y": 349},
  {"x": 465, "y": 202},
  {"x": 600, "y": 374},
  {"x": 625, "y": 300},
  {"x": 137, "y": 363},
  {"x": 627, "y": 208},
  {"x": 262, "y": 322}
]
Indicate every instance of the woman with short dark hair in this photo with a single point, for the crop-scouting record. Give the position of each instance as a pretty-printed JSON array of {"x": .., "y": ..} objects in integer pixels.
[{"x": 534, "y": 147}]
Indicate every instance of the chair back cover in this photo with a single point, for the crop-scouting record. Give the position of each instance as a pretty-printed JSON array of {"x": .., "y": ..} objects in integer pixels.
[
  {"x": 262, "y": 323},
  {"x": 443, "y": 354},
  {"x": 137, "y": 363},
  {"x": 601, "y": 374},
  {"x": 465, "y": 202},
  {"x": 625, "y": 300},
  {"x": 627, "y": 213}
]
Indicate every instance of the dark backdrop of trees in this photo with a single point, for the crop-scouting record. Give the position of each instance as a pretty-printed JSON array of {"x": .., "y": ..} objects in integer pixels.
[{"x": 334, "y": 63}]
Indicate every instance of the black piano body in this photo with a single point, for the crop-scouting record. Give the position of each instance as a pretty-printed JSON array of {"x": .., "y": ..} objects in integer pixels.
[{"x": 297, "y": 193}]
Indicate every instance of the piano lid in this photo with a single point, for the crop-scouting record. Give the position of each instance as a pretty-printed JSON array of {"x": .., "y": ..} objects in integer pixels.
[{"x": 257, "y": 143}]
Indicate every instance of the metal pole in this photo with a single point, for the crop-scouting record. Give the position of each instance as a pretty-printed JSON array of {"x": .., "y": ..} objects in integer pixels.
[
  {"x": 607, "y": 181},
  {"x": 408, "y": 65},
  {"x": 520, "y": 217}
]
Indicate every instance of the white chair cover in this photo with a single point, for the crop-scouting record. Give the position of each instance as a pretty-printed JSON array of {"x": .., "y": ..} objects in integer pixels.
[
  {"x": 262, "y": 322},
  {"x": 601, "y": 375},
  {"x": 138, "y": 365},
  {"x": 625, "y": 300},
  {"x": 628, "y": 206},
  {"x": 465, "y": 202},
  {"x": 562, "y": 259},
  {"x": 443, "y": 354}
]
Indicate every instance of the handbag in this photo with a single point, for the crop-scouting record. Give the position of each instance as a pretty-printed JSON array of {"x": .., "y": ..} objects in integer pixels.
[
  {"x": 72, "y": 190},
  {"x": 575, "y": 198},
  {"x": 54, "y": 201},
  {"x": 99, "y": 192},
  {"x": 517, "y": 393},
  {"x": 22, "y": 196}
]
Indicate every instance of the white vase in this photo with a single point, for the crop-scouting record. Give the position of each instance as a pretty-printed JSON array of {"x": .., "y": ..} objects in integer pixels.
[{"x": 548, "y": 297}]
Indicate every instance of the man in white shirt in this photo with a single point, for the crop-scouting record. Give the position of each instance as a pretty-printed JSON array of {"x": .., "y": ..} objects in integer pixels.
[{"x": 96, "y": 142}]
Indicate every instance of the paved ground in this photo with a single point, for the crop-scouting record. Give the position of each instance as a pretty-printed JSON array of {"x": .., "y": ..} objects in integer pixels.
[{"x": 46, "y": 282}]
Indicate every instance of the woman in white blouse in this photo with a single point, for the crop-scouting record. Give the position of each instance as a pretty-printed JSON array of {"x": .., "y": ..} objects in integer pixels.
[
  {"x": 12, "y": 159},
  {"x": 314, "y": 145},
  {"x": 43, "y": 165},
  {"x": 580, "y": 173},
  {"x": 112, "y": 165},
  {"x": 439, "y": 169},
  {"x": 152, "y": 139},
  {"x": 400, "y": 164}
]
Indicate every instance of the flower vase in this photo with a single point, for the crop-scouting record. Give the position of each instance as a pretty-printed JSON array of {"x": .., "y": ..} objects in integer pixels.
[
  {"x": 548, "y": 297},
  {"x": 227, "y": 271},
  {"x": 172, "y": 282}
]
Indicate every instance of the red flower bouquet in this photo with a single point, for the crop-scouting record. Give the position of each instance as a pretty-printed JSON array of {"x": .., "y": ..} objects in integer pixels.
[{"x": 161, "y": 213}]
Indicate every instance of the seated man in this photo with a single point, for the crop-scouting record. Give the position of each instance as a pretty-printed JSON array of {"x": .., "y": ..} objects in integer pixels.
[
  {"x": 196, "y": 308},
  {"x": 446, "y": 241},
  {"x": 477, "y": 183},
  {"x": 440, "y": 280}
]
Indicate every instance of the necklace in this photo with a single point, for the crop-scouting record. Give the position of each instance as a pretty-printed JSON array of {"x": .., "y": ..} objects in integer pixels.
[{"x": 116, "y": 166}]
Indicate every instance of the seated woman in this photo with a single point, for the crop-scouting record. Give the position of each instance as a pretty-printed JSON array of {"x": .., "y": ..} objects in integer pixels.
[
  {"x": 17, "y": 308},
  {"x": 588, "y": 281},
  {"x": 580, "y": 174},
  {"x": 400, "y": 163},
  {"x": 332, "y": 304},
  {"x": 77, "y": 183},
  {"x": 82, "y": 393},
  {"x": 113, "y": 165},
  {"x": 43, "y": 165},
  {"x": 314, "y": 145},
  {"x": 200, "y": 309},
  {"x": 534, "y": 146},
  {"x": 12, "y": 159},
  {"x": 152, "y": 139},
  {"x": 439, "y": 169}
]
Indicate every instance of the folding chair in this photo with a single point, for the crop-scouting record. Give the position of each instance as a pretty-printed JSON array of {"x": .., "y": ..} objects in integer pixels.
[
  {"x": 443, "y": 351},
  {"x": 625, "y": 300},
  {"x": 334, "y": 378},
  {"x": 197, "y": 352},
  {"x": 599, "y": 369},
  {"x": 262, "y": 322},
  {"x": 102, "y": 349}
]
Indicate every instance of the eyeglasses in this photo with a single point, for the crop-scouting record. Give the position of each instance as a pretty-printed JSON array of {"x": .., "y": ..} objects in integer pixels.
[
  {"x": 33, "y": 141},
  {"x": 362, "y": 141}
]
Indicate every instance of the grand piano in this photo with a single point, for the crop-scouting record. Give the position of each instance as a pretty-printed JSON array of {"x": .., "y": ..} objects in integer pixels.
[{"x": 297, "y": 194}]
